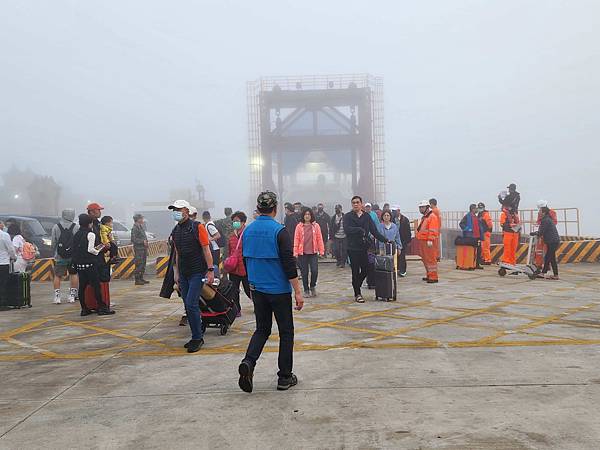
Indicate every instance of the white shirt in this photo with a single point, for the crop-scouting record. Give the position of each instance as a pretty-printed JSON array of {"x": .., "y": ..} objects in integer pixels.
[
  {"x": 91, "y": 237},
  {"x": 212, "y": 231},
  {"x": 18, "y": 243},
  {"x": 7, "y": 250}
]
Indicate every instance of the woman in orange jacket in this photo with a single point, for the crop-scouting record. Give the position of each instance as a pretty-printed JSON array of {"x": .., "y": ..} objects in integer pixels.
[{"x": 308, "y": 245}]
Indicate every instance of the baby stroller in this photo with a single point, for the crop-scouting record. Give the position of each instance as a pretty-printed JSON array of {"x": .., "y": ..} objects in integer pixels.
[{"x": 217, "y": 308}]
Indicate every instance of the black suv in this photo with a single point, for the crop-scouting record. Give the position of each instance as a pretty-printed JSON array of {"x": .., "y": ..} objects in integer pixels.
[{"x": 33, "y": 232}]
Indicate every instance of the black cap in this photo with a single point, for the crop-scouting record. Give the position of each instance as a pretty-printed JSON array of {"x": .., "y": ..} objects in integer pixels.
[
  {"x": 512, "y": 186},
  {"x": 481, "y": 205},
  {"x": 266, "y": 200}
]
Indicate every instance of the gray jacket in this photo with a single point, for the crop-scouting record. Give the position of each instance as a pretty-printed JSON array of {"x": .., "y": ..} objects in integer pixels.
[{"x": 68, "y": 217}]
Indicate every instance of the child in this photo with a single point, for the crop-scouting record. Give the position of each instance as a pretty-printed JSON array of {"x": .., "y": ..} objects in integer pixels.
[{"x": 106, "y": 237}]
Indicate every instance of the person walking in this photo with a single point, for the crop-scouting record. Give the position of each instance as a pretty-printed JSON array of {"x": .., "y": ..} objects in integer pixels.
[
  {"x": 139, "y": 240},
  {"x": 308, "y": 246},
  {"x": 486, "y": 253},
  {"x": 61, "y": 238},
  {"x": 238, "y": 276},
  {"x": 291, "y": 220},
  {"x": 193, "y": 267},
  {"x": 358, "y": 224},
  {"x": 405, "y": 237},
  {"x": 473, "y": 227},
  {"x": 339, "y": 237},
  {"x": 324, "y": 220},
  {"x": 428, "y": 230},
  {"x": 272, "y": 275},
  {"x": 7, "y": 256},
  {"x": 214, "y": 237},
  {"x": 549, "y": 233},
  {"x": 86, "y": 262},
  {"x": 389, "y": 230}
]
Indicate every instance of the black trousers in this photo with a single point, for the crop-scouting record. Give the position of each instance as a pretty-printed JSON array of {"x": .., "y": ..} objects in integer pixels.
[
  {"x": 340, "y": 251},
  {"x": 359, "y": 260},
  {"x": 265, "y": 306},
  {"x": 306, "y": 263},
  {"x": 550, "y": 258},
  {"x": 401, "y": 258},
  {"x": 4, "y": 272},
  {"x": 90, "y": 276},
  {"x": 236, "y": 280}
]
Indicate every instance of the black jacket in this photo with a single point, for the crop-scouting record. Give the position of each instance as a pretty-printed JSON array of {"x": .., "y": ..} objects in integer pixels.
[
  {"x": 290, "y": 222},
  {"x": 511, "y": 201},
  {"x": 323, "y": 219},
  {"x": 404, "y": 228},
  {"x": 357, "y": 231},
  {"x": 548, "y": 230}
]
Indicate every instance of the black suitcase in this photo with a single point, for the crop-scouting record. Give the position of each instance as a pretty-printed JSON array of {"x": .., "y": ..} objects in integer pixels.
[
  {"x": 385, "y": 275},
  {"x": 219, "y": 311},
  {"x": 18, "y": 290}
]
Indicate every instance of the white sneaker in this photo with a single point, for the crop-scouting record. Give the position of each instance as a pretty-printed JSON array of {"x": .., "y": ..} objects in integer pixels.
[
  {"x": 71, "y": 299},
  {"x": 72, "y": 295},
  {"x": 56, "y": 300}
]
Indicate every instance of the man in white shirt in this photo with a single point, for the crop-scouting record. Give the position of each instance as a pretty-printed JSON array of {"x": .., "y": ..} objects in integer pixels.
[
  {"x": 7, "y": 254},
  {"x": 213, "y": 236}
]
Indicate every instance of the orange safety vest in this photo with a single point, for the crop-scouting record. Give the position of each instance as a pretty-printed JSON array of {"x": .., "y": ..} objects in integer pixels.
[
  {"x": 428, "y": 228},
  {"x": 438, "y": 214},
  {"x": 508, "y": 219},
  {"x": 487, "y": 219}
]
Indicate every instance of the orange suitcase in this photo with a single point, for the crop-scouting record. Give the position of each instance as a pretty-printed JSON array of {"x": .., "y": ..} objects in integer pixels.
[{"x": 466, "y": 257}]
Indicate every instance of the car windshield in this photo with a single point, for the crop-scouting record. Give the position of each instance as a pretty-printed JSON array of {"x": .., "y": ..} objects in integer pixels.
[
  {"x": 117, "y": 226},
  {"x": 34, "y": 227}
]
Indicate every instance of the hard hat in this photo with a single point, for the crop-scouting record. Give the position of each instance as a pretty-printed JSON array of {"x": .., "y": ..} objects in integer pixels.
[
  {"x": 542, "y": 204},
  {"x": 424, "y": 203}
]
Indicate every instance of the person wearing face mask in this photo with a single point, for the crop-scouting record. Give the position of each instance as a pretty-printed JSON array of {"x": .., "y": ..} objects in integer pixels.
[
  {"x": 193, "y": 267},
  {"x": 427, "y": 233},
  {"x": 238, "y": 275},
  {"x": 323, "y": 219}
]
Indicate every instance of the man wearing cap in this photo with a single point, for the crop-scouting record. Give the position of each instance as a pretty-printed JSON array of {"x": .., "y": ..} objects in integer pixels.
[
  {"x": 193, "y": 265},
  {"x": 94, "y": 210},
  {"x": 271, "y": 268},
  {"x": 512, "y": 199},
  {"x": 139, "y": 240}
]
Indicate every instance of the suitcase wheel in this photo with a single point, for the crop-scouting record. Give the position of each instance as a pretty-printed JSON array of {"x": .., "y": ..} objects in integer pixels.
[
  {"x": 223, "y": 330},
  {"x": 502, "y": 271}
]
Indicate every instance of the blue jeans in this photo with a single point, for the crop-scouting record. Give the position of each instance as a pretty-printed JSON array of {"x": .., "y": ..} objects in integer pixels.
[{"x": 191, "y": 286}]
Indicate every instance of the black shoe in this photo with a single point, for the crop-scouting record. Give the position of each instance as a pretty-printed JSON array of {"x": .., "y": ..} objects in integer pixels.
[
  {"x": 194, "y": 345},
  {"x": 183, "y": 322},
  {"x": 246, "y": 373},
  {"x": 85, "y": 312},
  {"x": 283, "y": 384},
  {"x": 106, "y": 312},
  {"x": 425, "y": 279},
  {"x": 432, "y": 281},
  {"x": 139, "y": 283},
  {"x": 479, "y": 267},
  {"x": 343, "y": 266}
]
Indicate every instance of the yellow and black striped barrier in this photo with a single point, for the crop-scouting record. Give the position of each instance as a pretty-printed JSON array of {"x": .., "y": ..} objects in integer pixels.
[
  {"x": 155, "y": 248},
  {"x": 162, "y": 264},
  {"x": 43, "y": 269},
  {"x": 567, "y": 252}
]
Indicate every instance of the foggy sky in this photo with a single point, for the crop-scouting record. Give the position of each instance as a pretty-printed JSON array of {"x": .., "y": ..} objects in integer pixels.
[{"x": 149, "y": 95}]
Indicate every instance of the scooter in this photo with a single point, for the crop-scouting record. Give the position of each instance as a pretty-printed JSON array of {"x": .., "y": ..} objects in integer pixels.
[{"x": 528, "y": 269}]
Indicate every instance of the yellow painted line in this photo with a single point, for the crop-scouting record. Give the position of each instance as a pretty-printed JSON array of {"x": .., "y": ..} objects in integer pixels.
[
  {"x": 32, "y": 347},
  {"x": 24, "y": 328}
]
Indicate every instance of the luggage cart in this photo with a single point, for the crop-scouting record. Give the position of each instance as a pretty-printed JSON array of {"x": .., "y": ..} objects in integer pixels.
[{"x": 528, "y": 268}]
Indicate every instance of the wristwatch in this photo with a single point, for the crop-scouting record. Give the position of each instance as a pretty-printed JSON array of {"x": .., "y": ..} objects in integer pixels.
[{"x": 211, "y": 269}]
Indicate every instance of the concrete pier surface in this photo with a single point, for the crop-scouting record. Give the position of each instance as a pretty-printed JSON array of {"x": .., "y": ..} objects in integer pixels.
[{"x": 474, "y": 362}]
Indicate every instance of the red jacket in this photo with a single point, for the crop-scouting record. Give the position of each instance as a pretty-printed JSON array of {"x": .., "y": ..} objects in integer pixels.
[
  {"x": 233, "y": 242},
  {"x": 318, "y": 244}
]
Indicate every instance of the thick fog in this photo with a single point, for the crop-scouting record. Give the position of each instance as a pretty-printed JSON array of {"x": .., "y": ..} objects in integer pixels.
[{"x": 130, "y": 99}]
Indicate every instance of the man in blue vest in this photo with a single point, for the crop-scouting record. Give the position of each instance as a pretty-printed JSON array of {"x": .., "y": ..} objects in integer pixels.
[{"x": 271, "y": 267}]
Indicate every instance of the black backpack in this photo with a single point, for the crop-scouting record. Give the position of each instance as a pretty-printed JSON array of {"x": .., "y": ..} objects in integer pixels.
[{"x": 64, "y": 249}]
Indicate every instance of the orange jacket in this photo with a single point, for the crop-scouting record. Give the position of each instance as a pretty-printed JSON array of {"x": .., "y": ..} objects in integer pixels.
[
  {"x": 508, "y": 220},
  {"x": 552, "y": 215},
  {"x": 487, "y": 219},
  {"x": 438, "y": 214},
  {"x": 318, "y": 245},
  {"x": 428, "y": 228}
]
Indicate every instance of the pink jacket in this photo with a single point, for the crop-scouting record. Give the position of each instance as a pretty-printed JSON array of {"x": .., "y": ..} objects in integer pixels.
[{"x": 318, "y": 244}]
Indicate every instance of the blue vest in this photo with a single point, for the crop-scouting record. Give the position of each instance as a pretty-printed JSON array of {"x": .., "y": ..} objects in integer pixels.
[{"x": 261, "y": 254}]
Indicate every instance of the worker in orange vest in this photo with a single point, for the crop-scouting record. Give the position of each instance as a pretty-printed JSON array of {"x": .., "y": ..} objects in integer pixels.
[
  {"x": 541, "y": 247},
  {"x": 484, "y": 215},
  {"x": 428, "y": 231},
  {"x": 436, "y": 243},
  {"x": 511, "y": 225}
]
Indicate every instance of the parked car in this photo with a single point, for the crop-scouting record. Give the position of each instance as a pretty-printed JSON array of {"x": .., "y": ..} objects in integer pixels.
[
  {"x": 122, "y": 234},
  {"x": 33, "y": 232},
  {"x": 47, "y": 222}
]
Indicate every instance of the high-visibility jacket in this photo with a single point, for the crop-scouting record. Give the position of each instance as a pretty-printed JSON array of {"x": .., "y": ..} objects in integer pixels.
[
  {"x": 428, "y": 228},
  {"x": 508, "y": 221},
  {"x": 438, "y": 214},
  {"x": 553, "y": 216},
  {"x": 487, "y": 219}
]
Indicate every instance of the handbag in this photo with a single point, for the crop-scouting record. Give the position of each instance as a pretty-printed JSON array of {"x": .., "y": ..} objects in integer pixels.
[{"x": 232, "y": 261}]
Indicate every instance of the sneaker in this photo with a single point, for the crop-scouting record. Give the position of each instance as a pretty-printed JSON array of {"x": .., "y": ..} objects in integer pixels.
[
  {"x": 194, "y": 345},
  {"x": 307, "y": 294},
  {"x": 139, "y": 283},
  {"x": 73, "y": 294},
  {"x": 313, "y": 292},
  {"x": 71, "y": 299},
  {"x": 359, "y": 299},
  {"x": 106, "y": 312},
  {"x": 425, "y": 279},
  {"x": 246, "y": 373},
  {"x": 56, "y": 300},
  {"x": 283, "y": 384},
  {"x": 403, "y": 274},
  {"x": 183, "y": 322}
]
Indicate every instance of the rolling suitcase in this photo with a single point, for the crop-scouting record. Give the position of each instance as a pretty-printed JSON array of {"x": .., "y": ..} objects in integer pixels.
[
  {"x": 18, "y": 290},
  {"x": 217, "y": 308},
  {"x": 90, "y": 296},
  {"x": 466, "y": 253},
  {"x": 385, "y": 275}
]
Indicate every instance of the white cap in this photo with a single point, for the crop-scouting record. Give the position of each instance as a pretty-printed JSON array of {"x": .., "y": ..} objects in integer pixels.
[
  {"x": 368, "y": 205},
  {"x": 424, "y": 203},
  {"x": 193, "y": 210},
  {"x": 178, "y": 204},
  {"x": 542, "y": 204}
]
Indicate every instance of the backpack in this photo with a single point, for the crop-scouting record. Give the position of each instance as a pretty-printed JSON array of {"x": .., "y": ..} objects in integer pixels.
[
  {"x": 221, "y": 241},
  {"x": 64, "y": 248},
  {"x": 28, "y": 252}
]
